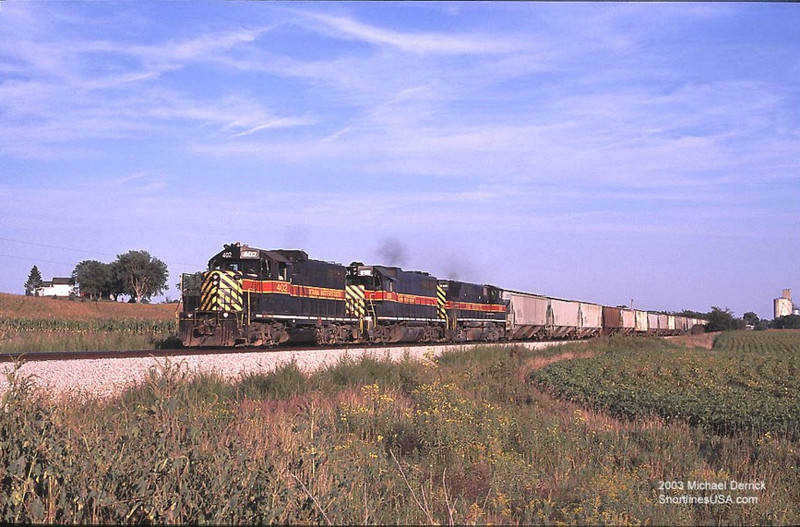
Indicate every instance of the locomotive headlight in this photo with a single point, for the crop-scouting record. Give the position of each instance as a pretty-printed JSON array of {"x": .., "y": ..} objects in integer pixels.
[{"x": 225, "y": 315}]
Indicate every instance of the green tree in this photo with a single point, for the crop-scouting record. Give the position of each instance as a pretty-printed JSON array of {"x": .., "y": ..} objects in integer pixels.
[
  {"x": 750, "y": 319},
  {"x": 723, "y": 320},
  {"x": 139, "y": 275},
  {"x": 95, "y": 278},
  {"x": 693, "y": 314},
  {"x": 34, "y": 281},
  {"x": 787, "y": 322}
]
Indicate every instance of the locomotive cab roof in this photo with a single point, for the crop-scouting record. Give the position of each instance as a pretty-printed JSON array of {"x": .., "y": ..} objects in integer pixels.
[
  {"x": 286, "y": 255},
  {"x": 237, "y": 251},
  {"x": 392, "y": 273}
]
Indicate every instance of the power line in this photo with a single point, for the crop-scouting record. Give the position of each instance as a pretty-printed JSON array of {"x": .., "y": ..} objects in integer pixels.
[
  {"x": 34, "y": 259},
  {"x": 53, "y": 246},
  {"x": 68, "y": 249}
]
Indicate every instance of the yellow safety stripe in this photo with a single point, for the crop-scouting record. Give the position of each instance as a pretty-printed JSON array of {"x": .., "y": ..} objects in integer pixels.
[
  {"x": 355, "y": 301},
  {"x": 441, "y": 300},
  {"x": 221, "y": 291}
]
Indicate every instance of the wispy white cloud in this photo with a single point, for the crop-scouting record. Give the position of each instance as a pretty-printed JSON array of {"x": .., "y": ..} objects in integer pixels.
[
  {"x": 276, "y": 123},
  {"x": 513, "y": 123},
  {"x": 415, "y": 42}
]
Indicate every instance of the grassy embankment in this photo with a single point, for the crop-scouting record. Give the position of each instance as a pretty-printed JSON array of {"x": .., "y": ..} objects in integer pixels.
[
  {"x": 58, "y": 324},
  {"x": 478, "y": 436}
]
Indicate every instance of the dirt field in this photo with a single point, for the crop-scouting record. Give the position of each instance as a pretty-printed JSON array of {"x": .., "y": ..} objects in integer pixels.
[
  {"x": 20, "y": 306},
  {"x": 704, "y": 340}
]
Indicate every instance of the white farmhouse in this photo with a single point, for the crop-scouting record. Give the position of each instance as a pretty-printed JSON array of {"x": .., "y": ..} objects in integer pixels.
[{"x": 56, "y": 287}]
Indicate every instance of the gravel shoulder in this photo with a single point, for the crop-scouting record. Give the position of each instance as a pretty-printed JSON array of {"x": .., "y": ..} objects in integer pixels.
[{"x": 108, "y": 377}]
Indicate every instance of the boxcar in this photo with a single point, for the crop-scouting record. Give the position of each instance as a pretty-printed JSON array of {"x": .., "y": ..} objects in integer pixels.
[
  {"x": 652, "y": 323},
  {"x": 663, "y": 324},
  {"x": 628, "y": 321}
]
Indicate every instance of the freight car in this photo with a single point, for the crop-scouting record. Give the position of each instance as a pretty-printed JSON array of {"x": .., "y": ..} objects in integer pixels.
[
  {"x": 618, "y": 321},
  {"x": 256, "y": 297}
]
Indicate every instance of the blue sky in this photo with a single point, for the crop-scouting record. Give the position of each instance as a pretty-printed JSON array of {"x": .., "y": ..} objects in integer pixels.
[{"x": 602, "y": 152}]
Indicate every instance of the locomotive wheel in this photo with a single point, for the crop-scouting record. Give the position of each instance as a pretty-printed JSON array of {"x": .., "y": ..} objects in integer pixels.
[
  {"x": 334, "y": 334},
  {"x": 458, "y": 335},
  {"x": 433, "y": 334},
  {"x": 269, "y": 335}
]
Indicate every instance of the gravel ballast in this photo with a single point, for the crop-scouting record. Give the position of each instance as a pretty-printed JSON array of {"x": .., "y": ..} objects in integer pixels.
[{"x": 108, "y": 377}]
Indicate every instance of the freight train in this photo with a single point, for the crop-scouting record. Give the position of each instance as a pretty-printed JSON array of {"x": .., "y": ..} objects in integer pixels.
[{"x": 256, "y": 297}]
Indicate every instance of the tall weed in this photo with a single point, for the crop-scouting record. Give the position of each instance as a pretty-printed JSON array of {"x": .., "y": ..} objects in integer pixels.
[{"x": 463, "y": 440}]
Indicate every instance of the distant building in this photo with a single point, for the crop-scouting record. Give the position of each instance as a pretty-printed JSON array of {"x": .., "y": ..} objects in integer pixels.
[
  {"x": 56, "y": 287},
  {"x": 783, "y": 305}
]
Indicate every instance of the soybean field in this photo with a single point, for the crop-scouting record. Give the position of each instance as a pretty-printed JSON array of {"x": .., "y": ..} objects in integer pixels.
[{"x": 748, "y": 382}]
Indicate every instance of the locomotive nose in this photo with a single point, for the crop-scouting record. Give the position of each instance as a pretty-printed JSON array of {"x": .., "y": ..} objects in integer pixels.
[{"x": 221, "y": 291}]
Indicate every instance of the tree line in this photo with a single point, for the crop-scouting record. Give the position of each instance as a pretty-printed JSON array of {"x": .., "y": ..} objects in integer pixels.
[
  {"x": 723, "y": 319},
  {"x": 136, "y": 274}
]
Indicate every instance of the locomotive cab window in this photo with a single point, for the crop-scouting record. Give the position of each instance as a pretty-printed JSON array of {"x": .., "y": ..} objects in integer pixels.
[{"x": 250, "y": 268}]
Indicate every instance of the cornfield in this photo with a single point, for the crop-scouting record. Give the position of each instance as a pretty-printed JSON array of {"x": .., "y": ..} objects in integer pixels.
[
  {"x": 56, "y": 334},
  {"x": 129, "y": 326}
]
